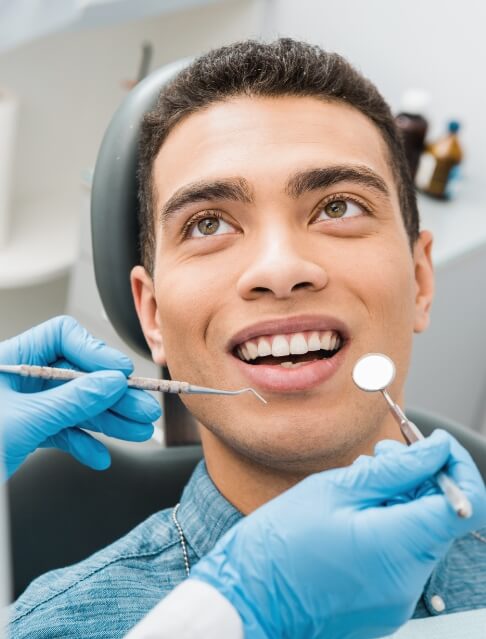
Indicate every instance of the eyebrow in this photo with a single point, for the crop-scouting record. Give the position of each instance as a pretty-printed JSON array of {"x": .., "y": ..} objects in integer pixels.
[
  {"x": 239, "y": 190},
  {"x": 236, "y": 189},
  {"x": 322, "y": 178}
]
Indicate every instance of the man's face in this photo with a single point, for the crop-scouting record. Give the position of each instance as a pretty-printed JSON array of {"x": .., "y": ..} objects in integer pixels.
[{"x": 279, "y": 232}]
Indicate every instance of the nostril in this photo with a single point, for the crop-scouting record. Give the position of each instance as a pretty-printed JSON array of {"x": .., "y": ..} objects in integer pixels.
[
  {"x": 261, "y": 289},
  {"x": 302, "y": 285}
]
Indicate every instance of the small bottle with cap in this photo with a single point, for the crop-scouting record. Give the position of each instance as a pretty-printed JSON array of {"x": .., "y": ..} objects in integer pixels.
[
  {"x": 412, "y": 125},
  {"x": 439, "y": 165}
]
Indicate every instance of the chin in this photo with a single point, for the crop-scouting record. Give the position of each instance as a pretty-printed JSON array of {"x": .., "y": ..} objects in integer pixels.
[{"x": 303, "y": 449}]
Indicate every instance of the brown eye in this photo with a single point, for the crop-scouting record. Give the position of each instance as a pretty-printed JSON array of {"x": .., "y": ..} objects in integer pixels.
[
  {"x": 339, "y": 209},
  {"x": 336, "y": 209},
  {"x": 208, "y": 225}
]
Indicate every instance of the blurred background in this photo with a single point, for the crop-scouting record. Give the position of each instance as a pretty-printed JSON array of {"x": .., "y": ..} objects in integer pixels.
[{"x": 65, "y": 66}]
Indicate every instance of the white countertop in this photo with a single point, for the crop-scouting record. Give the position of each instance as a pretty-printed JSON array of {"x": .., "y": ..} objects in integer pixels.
[{"x": 458, "y": 226}]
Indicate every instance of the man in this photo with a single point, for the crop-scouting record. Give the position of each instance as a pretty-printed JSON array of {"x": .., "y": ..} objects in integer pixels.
[{"x": 280, "y": 243}]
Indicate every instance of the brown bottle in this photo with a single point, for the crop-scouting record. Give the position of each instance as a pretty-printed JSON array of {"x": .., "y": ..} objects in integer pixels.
[
  {"x": 413, "y": 126},
  {"x": 439, "y": 163}
]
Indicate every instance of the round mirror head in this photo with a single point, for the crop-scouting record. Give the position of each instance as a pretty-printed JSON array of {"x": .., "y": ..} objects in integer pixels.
[{"x": 373, "y": 372}]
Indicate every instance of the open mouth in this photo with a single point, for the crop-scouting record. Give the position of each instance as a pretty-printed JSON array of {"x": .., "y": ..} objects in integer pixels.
[{"x": 291, "y": 350}]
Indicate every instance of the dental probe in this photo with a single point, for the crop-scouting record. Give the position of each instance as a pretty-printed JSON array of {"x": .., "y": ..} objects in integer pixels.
[
  {"x": 142, "y": 383},
  {"x": 374, "y": 372}
]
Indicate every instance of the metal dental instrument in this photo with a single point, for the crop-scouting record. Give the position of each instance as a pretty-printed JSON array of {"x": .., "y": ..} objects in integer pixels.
[
  {"x": 374, "y": 372},
  {"x": 143, "y": 383}
]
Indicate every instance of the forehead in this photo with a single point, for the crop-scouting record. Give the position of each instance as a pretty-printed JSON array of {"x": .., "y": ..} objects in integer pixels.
[{"x": 264, "y": 140}]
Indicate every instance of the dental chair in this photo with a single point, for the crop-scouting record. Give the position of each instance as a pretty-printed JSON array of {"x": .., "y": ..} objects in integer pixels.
[{"x": 60, "y": 511}]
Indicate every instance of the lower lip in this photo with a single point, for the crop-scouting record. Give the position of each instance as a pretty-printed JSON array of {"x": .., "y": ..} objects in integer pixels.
[{"x": 304, "y": 377}]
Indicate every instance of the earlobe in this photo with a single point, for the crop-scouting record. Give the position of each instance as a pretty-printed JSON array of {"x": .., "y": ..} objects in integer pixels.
[
  {"x": 424, "y": 281},
  {"x": 146, "y": 307}
]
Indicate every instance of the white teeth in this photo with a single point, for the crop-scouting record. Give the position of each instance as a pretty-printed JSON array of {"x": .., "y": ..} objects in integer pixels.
[
  {"x": 252, "y": 350},
  {"x": 326, "y": 339},
  {"x": 314, "y": 343},
  {"x": 293, "y": 364},
  {"x": 283, "y": 345},
  {"x": 298, "y": 344},
  {"x": 245, "y": 352},
  {"x": 264, "y": 347},
  {"x": 280, "y": 346}
]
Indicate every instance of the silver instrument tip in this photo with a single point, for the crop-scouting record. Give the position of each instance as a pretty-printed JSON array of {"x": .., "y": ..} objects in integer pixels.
[{"x": 257, "y": 395}]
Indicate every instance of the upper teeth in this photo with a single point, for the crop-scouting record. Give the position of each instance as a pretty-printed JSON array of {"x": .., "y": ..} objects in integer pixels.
[{"x": 293, "y": 344}]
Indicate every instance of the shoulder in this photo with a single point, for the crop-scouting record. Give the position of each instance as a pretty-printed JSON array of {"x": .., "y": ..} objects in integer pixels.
[
  {"x": 459, "y": 577},
  {"x": 115, "y": 586}
]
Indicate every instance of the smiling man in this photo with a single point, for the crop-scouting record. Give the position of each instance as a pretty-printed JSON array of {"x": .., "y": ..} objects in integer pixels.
[
  {"x": 280, "y": 242},
  {"x": 281, "y": 252}
]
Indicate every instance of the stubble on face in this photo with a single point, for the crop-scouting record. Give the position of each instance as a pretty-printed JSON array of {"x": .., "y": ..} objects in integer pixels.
[{"x": 207, "y": 288}]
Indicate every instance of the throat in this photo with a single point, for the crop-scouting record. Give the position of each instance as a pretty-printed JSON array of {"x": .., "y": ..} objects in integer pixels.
[{"x": 246, "y": 484}]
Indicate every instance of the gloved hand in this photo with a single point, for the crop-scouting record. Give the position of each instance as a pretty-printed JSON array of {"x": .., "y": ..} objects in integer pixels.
[
  {"x": 42, "y": 413},
  {"x": 335, "y": 556}
]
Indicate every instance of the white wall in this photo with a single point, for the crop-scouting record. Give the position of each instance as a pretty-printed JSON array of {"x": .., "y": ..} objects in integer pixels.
[
  {"x": 69, "y": 85},
  {"x": 435, "y": 44}
]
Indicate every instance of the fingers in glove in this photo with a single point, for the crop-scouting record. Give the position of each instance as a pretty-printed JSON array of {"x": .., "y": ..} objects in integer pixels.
[
  {"x": 427, "y": 488},
  {"x": 82, "y": 446},
  {"x": 75, "y": 401},
  {"x": 441, "y": 518},
  {"x": 138, "y": 406},
  {"x": 115, "y": 426},
  {"x": 388, "y": 446},
  {"x": 385, "y": 476},
  {"x": 135, "y": 405},
  {"x": 64, "y": 337}
]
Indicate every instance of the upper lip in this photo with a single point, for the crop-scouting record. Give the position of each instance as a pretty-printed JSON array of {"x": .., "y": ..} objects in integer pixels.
[{"x": 282, "y": 326}]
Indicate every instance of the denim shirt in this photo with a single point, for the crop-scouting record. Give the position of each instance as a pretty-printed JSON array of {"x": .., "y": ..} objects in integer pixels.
[{"x": 107, "y": 594}]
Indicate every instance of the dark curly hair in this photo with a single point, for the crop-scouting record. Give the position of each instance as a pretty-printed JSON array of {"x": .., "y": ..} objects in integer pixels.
[{"x": 282, "y": 68}]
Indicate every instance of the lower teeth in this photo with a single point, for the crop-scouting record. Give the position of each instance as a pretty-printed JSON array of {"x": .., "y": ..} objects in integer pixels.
[{"x": 295, "y": 364}]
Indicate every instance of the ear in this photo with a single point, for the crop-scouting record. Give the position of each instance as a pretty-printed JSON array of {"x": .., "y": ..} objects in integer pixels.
[
  {"x": 424, "y": 280},
  {"x": 146, "y": 306}
]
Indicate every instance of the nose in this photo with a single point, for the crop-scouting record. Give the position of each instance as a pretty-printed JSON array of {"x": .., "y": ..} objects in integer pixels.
[{"x": 279, "y": 267}]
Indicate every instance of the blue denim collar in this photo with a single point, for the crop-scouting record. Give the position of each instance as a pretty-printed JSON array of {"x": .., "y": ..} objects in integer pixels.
[{"x": 204, "y": 514}]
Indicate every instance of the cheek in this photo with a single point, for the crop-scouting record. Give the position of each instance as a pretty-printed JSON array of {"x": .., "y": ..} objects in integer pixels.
[
  {"x": 384, "y": 281},
  {"x": 186, "y": 302}
]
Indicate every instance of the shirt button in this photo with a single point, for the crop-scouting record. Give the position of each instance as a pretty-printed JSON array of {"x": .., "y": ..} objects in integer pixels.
[{"x": 437, "y": 603}]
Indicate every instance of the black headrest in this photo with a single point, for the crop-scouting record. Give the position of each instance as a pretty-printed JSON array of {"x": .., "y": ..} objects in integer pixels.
[{"x": 114, "y": 206}]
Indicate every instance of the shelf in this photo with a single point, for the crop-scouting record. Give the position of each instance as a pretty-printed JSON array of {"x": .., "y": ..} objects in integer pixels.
[
  {"x": 458, "y": 226},
  {"x": 44, "y": 243}
]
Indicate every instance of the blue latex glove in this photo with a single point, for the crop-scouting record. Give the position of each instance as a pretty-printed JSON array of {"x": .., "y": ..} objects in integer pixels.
[
  {"x": 42, "y": 413},
  {"x": 334, "y": 557}
]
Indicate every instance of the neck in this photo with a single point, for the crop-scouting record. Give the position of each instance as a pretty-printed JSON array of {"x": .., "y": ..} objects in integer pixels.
[
  {"x": 244, "y": 483},
  {"x": 247, "y": 485}
]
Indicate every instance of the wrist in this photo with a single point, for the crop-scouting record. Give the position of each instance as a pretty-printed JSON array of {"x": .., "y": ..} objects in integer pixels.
[{"x": 245, "y": 590}]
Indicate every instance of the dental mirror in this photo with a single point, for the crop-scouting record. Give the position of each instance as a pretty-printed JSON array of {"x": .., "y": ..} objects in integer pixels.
[{"x": 373, "y": 372}]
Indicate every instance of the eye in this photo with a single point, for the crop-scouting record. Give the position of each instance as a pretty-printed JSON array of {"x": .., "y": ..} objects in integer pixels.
[
  {"x": 206, "y": 225},
  {"x": 339, "y": 208}
]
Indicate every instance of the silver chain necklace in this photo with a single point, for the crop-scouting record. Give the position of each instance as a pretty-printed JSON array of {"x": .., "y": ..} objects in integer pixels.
[{"x": 181, "y": 539}]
